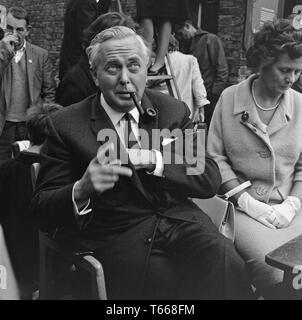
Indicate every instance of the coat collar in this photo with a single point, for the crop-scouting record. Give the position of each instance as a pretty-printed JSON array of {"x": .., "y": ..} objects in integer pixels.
[{"x": 244, "y": 103}]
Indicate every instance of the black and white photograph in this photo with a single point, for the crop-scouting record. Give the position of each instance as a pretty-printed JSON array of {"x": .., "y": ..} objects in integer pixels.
[{"x": 151, "y": 153}]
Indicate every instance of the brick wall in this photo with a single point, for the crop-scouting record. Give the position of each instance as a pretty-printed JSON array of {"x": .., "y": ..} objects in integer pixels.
[
  {"x": 47, "y": 26},
  {"x": 231, "y": 31}
]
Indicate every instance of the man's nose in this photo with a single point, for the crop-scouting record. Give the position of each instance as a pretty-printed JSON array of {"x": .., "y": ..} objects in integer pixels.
[{"x": 124, "y": 78}]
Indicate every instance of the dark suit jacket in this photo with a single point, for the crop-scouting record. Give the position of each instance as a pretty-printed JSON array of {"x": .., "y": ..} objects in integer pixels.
[
  {"x": 77, "y": 84},
  {"x": 79, "y": 14},
  {"x": 208, "y": 49},
  {"x": 128, "y": 214}
]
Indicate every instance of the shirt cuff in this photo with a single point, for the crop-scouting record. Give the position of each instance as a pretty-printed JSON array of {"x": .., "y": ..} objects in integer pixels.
[
  {"x": 159, "y": 167},
  {"x": 82, "y": 209}
]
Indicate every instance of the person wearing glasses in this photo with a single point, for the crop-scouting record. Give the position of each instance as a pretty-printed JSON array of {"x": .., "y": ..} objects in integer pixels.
[{"x": 27, "y": 79}]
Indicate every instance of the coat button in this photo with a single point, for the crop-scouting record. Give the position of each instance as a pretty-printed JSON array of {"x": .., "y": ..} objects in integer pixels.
[
  {"x": 148, "y": 241},
  {"x": 261, "y": 191},
  {"x": 264, "y": 154},
  {"x": 245, "y": 116}
]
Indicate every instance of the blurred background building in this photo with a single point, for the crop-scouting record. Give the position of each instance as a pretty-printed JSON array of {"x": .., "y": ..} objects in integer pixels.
[{"x": 234, "y": 21}]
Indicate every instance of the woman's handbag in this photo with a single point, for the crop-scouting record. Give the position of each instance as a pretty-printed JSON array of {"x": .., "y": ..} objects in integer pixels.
[{"x": 222, "y": 211}]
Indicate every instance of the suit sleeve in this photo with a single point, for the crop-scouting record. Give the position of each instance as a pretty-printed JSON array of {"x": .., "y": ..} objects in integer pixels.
[
  {"x": 48, "y": 86},
  {"x": 52, "y": 201},
  {"x": 188, "y": 169},
  {"x": 5, "y": 57}
]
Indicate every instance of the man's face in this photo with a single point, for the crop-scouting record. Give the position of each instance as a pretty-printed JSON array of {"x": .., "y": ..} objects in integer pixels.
[
  {"x": 17, "y": 27},
  {"x": 122, "y": 68},
  {"x": 186, "y": 32}
]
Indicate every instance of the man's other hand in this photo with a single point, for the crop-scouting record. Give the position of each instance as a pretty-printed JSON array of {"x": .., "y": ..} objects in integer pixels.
[
  {"x": 101, "y": 175},
  {"x": 142, "y": 159}
]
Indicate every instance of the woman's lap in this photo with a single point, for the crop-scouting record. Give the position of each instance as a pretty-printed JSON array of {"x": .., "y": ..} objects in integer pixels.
[{"x": 254, "y": 240}]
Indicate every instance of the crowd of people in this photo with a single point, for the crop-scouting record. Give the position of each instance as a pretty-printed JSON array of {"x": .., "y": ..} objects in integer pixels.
[{"x": 93, "y": 171}]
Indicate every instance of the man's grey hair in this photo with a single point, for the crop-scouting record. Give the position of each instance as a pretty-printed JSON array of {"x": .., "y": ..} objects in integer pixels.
[{"x": 113, "y": 33}]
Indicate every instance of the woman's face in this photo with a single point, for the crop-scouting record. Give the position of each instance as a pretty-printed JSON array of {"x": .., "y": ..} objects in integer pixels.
[{"x": 281, "y": 75}]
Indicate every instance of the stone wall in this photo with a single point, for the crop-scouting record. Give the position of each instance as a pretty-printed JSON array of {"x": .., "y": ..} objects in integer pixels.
[{"x": 47, "y": 26}]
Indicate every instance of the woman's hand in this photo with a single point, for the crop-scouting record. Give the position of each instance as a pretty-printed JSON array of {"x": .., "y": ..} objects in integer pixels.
[
  {"x": 284, "y": 213},
  {"x": 198, "y": 115},
  {"x": 258, "y": 210}
]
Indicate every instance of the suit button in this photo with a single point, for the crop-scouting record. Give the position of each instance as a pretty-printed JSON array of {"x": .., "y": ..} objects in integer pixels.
[{"x": 148, "y": 241}]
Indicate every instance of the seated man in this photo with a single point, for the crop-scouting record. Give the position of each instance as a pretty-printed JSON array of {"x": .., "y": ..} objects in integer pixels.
[
  {"x": 132, "y": 208},
  {"x": 27, "y": 79}
]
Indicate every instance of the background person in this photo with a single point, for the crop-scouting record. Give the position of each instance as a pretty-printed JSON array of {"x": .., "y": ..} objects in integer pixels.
[
  {"x": 78, "y": 16},
  {"x": 156, "y": 15},
  {"x": 27, "y": 80},
  {"x": 16, "y": 189},
  {"x": 208, "y": 49},
  {"x": 255, "y": 135}
]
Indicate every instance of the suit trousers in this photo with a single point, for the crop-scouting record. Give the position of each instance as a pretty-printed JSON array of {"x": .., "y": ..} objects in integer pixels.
[
  {"x": 205, "y": 264},
  {"x": 12, "y": 131},
  {"x": 185, "y": 260}
]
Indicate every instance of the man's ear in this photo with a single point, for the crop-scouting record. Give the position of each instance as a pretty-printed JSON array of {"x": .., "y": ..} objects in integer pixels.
[
  {"x": 94, "y": 77},
  {"x": 29, "y": 27}
]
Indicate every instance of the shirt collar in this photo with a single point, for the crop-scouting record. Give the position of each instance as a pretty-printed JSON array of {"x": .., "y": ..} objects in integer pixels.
[
  {"x": 116, "y": 116},
  {"x": 23, "y": 47}
]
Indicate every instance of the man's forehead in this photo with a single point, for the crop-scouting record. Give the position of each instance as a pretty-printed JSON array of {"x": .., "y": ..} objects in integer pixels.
[
  {"x": 12, "y": 20},
  {"x": 124, "y": 47}
]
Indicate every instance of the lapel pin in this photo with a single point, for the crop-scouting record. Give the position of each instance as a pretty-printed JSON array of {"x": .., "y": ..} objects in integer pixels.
[
  {"x": 245, "y": 116},
  {"x": 30, "y": 61}
]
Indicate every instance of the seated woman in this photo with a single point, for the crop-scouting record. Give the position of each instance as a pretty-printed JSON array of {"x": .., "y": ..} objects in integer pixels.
[
  {"x": 255, "y": 135},
  {"x": 16, "y": 188}
]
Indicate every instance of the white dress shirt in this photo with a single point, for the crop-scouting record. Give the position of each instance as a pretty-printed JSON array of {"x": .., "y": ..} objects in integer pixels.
[{"x": 117, "y": 118}]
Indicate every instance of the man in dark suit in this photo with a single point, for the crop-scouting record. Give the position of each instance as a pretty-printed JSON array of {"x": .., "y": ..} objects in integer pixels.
[
  {"x": 78, "y": 16},
  {"x": 132, "y": 206}
]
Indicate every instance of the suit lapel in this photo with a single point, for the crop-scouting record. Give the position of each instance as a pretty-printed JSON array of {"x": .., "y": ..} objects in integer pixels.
[
  {"x": 29, "y": 61},
  {"x": 147, "y": 129},
  {"x": 100, "y": 121}
]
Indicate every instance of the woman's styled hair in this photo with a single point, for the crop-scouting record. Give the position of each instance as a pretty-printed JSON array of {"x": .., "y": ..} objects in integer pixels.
[
  {"x": 36, "y": 121},
  {"x": 274, "y": 39}
]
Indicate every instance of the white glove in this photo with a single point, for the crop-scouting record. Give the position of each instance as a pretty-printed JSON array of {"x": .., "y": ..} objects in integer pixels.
[
  {"x": 258, "y": 210},
  {"x": 284, "y": 213}
]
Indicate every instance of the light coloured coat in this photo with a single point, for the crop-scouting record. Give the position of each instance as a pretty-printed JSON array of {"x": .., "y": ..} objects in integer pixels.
[{"x": 270, "y": 156}]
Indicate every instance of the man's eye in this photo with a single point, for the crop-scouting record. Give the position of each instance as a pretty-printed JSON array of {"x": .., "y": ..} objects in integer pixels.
[
  {"x": 9, "y": 28},
  {"x": 20, "y": 30},
  {"x": 112, "y": 68},
  {"x": 134, "y": 67}
]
